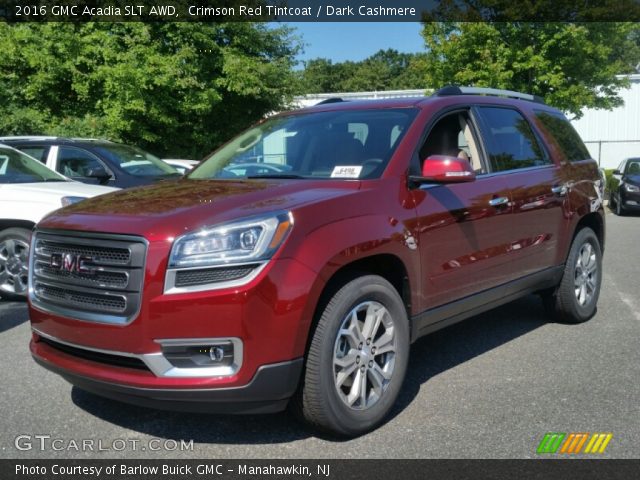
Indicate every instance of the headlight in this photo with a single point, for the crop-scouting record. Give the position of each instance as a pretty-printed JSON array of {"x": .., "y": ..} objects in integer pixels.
[
  {"x": 248, "y": 240},
  {"x": 66, "y": 201},
  {"x": 631, "y": 188}
]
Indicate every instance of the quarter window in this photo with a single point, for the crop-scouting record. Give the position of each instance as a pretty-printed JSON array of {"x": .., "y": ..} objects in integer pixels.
[
  {"x": 564, "y": 135},
  {"x": 510, "y": 142}
]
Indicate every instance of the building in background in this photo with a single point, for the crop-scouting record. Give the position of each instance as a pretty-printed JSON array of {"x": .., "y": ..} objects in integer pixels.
[
  {"x": 610, "y": 135},
  {"x": 613, "y": 135}
]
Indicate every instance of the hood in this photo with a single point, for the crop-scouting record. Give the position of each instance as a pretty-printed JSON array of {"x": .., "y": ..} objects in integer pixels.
[
  {"x": 633, "y": 179},
  {"x": 43, "y": 191},
  {"x": 170, "y": 209}
]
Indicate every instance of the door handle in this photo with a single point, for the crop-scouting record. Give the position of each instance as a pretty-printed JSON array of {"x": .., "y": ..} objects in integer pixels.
[
  {"x": 498, "y": 201},
  {"x": 560, "y": 190}
]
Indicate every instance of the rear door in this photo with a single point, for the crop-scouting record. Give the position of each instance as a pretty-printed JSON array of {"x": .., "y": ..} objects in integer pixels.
[{"x": 537, "y": 186}]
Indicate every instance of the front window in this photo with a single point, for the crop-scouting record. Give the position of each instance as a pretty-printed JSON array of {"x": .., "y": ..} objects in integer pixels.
[
  {"x": 633, "y": 166},
  {"x": 339, "y": 144},
  {"x": 16, "y": 167},
  {"x": 135, "y": 161}
]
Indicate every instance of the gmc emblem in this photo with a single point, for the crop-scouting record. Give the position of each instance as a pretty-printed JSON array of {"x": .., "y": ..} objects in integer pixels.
[{"x": 71, "y": 263}]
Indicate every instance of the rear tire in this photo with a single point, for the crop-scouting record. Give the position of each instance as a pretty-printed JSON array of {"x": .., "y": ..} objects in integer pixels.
[
  {"x": 576, "y": 297},
  {"x": 357, "y": 359},
  {"x": 14, "y": 263}
]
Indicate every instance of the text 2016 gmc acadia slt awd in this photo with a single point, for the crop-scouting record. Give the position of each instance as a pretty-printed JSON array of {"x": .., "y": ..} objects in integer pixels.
[{"x": 298, "y": 263}]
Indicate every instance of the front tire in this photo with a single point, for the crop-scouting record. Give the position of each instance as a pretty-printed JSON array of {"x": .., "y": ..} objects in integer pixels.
[
  {"x": 357, "y": 359},
  {"x": 576, "y": 298},
  {"x": 619, "y": 209},
  {"x": 14, "y": 263}
]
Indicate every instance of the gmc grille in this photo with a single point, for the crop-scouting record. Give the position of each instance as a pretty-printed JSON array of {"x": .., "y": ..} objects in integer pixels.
[{"x": 91, "y": 277}]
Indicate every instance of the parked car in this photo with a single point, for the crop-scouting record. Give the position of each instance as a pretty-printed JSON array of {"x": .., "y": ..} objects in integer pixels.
[
  {"x": 28, "y": 191},
  {"x": 95, "y": 161},
  {"x": 625, "y": 187},
  {"x": 250, "y": 169},
  {"x": 181, "y": 165},
  {"x": 306, "y": 287}
]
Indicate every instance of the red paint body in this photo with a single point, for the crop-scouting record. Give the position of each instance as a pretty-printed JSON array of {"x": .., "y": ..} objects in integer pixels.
[{"x": 463, "y": 247}]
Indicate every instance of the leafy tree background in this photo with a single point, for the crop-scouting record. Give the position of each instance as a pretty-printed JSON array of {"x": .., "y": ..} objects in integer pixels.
[
  {"x": 572, "y": 66},
  {"x": 177, "y": 89},
  {"x": 181, "y": 89},
  {"x": 384, "y": 70}
]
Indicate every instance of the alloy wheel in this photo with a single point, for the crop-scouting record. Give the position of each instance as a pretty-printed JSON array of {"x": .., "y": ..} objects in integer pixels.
[
  {"x": 364, "y": 355},
  {"x": 586, "y": 274},
  {"x": 14, "y": 269}
]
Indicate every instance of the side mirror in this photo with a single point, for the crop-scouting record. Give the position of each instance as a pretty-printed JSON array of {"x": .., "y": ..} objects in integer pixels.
[
  {"x": 446, "y": 169},
  {"x": 100, "y": 173},
  {"x": 616, "y": 172}
]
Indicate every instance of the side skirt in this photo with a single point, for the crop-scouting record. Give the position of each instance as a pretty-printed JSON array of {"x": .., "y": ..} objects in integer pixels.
[{"x": 440, "y": 317}]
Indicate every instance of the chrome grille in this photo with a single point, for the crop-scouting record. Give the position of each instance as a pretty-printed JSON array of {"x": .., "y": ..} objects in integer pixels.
[
  {"x": 93, "y": 277},
  {"x": 113, "y": 256}
]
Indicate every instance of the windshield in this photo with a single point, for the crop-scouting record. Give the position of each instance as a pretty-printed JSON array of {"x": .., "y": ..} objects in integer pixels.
[
  {"x": 633, "y": 167},
  {"x": 17, "y": 167},
  {"x": 135, "y": 161},
  {"x": 339, "y": 144}
]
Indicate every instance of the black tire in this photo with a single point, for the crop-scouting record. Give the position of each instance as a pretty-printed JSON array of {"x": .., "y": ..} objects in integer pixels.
[
  {"x": 13, "y": 256},
  {"x": 322, "y": 402},
  {"x": 612, "y": 202},
  {"x": 619, "y": 209},
  {"x": 563, "y": 304}
]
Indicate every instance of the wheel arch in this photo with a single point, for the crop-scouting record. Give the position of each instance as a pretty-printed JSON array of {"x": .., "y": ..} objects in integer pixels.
[
  {"x": 386, "y": 265},
  {"x": 15, "y": 223},
  {"x": 594, "y": 221}
]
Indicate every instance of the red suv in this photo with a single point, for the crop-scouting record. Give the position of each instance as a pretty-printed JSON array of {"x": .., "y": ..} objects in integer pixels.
[{"x": 298, "y": 263}]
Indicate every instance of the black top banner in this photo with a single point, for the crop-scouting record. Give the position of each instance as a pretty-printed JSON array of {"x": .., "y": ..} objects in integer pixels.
[{"x": 320, "y": 11}]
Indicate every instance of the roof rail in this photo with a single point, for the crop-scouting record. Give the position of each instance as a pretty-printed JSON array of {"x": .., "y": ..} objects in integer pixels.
[
  {"x": 330, "y": 100},
  {"x": 454, "y": 90}
]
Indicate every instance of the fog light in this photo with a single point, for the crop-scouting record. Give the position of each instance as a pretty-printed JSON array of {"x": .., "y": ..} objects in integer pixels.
[
  {"x": 220, "y": 354},
  {"x": 216, "y": 354}
]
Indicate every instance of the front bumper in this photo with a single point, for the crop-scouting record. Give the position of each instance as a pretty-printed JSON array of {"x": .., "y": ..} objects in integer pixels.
[
  {"x": 268, "y": 391},
  {"x": 630, "y": 200}
]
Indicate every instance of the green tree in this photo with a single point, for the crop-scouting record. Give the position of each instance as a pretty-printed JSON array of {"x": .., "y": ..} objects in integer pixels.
[
  {"x": 384, "y": 70},
  {"x": 176, "y": 88},
  {"x": 571, "y": 65}
]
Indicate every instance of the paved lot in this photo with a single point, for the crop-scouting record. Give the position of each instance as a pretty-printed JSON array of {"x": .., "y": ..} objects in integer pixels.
[{"x": 489, "y": 387}]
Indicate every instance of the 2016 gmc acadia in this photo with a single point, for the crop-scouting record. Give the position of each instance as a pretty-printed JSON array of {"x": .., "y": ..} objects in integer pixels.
[{"x": 298, "y": 263}]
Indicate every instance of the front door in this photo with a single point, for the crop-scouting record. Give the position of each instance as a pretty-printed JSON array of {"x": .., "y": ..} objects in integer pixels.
[{"x": 465, "y": 229}]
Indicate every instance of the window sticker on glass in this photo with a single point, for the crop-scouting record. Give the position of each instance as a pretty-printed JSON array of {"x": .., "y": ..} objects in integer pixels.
[{"x": 346, "y": 171}]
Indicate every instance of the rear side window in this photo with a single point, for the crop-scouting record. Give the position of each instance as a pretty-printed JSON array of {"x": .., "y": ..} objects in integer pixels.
[
  {"x": 510, "y": 142},
  {"x": 39, "y": 153},
  {"x": 564, "y": 135}
]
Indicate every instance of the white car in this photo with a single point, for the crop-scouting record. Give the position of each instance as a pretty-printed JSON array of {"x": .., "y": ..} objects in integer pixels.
[
  {"x": 28, "y": 191},
  {"x": 183, "y": 166}
]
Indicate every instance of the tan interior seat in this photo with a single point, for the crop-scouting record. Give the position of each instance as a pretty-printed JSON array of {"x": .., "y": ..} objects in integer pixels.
[{"x": 473, "y": 157}]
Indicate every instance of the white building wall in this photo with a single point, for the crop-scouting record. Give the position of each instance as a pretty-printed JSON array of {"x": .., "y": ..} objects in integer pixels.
[
  {"x": 310, "y": 100},
  {"x": 612, "y": 135}
]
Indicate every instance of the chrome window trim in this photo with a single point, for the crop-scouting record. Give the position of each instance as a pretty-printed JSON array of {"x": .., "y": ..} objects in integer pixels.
[
  {"x": 170, "y": 278},
  {"x": 161, "y": 367}
]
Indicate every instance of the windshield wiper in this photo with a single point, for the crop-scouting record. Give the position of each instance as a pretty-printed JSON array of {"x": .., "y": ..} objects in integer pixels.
[
  {"x": 276, "y": 175},
  {"x": 55, "y": 180}
]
